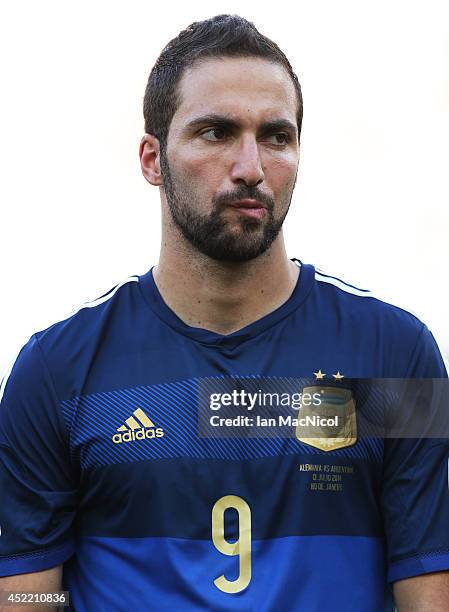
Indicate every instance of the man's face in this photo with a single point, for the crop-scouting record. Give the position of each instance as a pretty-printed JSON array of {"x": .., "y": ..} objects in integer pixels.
[{"x": 233, "y": 137}]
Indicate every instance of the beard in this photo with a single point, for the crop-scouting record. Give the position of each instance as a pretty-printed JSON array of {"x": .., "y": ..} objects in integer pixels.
[{"x": 211, "y": 234}]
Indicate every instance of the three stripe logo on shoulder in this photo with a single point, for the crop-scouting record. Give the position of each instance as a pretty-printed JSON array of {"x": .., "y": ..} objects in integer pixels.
[{"x": 137, "y": 427}]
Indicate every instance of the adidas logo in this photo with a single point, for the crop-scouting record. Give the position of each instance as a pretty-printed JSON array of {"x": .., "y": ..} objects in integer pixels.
[{"x": 138, "y": 427}]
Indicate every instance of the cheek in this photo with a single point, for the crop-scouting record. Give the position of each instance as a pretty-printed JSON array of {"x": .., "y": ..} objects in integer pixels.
[
  {"x": 197, "y": 179},
  {"x": 204, "y": 170},
  {"x": 280, "y": 174}
]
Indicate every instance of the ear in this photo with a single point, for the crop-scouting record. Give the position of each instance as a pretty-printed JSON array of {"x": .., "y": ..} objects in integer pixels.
[{"x": 149, "y": 153}]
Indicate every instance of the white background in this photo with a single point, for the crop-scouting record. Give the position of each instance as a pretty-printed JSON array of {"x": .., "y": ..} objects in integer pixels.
[{"x": 371, "y": 202}]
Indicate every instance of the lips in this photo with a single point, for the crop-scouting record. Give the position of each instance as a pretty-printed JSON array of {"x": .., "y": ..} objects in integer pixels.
[
  {"x": 250, "y": 208},
  {"x": 247, "y": 203}
]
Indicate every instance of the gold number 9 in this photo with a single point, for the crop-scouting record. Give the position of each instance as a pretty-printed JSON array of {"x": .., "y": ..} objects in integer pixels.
[{"x": 241, "y": 547}]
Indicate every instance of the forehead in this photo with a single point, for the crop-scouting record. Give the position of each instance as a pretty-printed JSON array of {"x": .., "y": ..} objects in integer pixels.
[{"x": 251, "y": 88}]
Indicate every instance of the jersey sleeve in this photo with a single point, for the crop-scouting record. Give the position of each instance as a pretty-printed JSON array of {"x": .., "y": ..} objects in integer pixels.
[
  {"x": 415, "y": 495},
  {"x": 37, "y": 487}
]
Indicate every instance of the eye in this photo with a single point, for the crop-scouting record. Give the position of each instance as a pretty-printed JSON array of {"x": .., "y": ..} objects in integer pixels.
[
  {"x": 214, "y": 134},
  {"x": 285, "y": 138}
]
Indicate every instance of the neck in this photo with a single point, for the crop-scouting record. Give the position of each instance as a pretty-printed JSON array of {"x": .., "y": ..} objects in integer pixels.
[{"x": 223, "y": 297}]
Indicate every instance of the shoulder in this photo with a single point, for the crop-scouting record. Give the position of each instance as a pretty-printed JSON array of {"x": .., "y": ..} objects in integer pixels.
[
  {"x": 88, "y": 316},
  {"x": 67, "y": 344},
  {"x": 371, "y": 321},
  {"x": 361, "y": 303}
]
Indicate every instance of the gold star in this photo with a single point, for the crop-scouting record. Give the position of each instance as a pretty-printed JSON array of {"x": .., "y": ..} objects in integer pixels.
[
  {"x": 319, "y": 375},
  {"x": 338, "y": 376}
]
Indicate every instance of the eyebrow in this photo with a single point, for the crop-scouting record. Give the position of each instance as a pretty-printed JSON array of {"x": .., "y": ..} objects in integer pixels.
[{"x": 225, "y": 121}]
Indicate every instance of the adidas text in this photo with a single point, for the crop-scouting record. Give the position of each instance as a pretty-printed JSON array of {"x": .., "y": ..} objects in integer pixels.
[{"x": 137, "y": 434}]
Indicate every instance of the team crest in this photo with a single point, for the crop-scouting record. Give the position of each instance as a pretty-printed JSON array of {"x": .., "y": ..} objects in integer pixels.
[{"x": 331, "y": 424}]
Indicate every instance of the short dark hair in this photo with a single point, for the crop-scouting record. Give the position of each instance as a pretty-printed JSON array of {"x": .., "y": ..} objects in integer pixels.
[{"x": 222, "y": 35}]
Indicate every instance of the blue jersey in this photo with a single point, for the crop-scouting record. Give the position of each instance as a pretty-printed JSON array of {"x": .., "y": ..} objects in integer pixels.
[{"x": 103, "y": 468}]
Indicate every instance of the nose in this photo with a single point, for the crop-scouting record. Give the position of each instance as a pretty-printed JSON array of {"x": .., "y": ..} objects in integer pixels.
[{"x": 247, "y": 166}]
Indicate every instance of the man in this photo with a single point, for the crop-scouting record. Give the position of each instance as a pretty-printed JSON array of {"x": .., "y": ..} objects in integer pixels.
[{"x": 109, "y": 486}]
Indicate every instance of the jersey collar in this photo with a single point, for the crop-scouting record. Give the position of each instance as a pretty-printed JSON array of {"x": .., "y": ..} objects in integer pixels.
[{"x": 161, "y": 309}]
